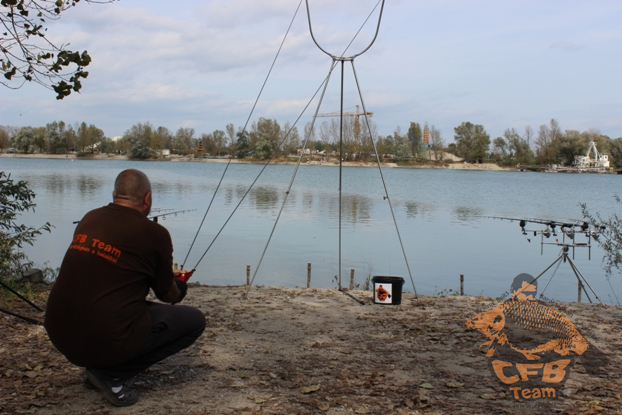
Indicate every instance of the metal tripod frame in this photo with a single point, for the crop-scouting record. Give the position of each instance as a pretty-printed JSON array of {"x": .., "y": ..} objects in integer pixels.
[
  {"x": 342, "y": 59},
  {"x": 580, "y": 278}
]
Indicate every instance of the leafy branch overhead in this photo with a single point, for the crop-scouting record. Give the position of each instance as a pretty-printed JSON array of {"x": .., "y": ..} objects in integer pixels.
[{"x": 27, "y": 53}]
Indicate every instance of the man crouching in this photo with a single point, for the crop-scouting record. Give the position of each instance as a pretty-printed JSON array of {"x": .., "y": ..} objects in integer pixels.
[{"x": 97, "y": 313}]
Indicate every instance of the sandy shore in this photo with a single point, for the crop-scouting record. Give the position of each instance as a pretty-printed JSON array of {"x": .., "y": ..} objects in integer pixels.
[
  {"x": 453, "y": 165},
  {"x": 313, "y": 351}
]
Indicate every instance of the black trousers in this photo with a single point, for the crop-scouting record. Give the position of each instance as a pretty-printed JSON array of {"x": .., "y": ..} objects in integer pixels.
[{"x": 173, "y": 328}]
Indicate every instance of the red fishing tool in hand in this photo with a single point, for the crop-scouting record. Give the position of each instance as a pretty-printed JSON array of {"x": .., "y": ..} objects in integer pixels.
[{"x": 184, "y": 275}]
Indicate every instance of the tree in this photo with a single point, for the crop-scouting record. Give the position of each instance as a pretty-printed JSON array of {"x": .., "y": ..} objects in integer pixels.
[
  {"x": 268, "y": 132},
  {"x": 88, "y": 138},
  {"x": 367, "y": 139},
  {"x": 68, "y": 138},
  {"x": 610, "y": 238},
  {"x": 183, "y": 142},
  {"x": 499, "y": 149},
  {"x": 53, "y": 136},
  {"x": 220, "y": 141},
  {"x": 472, "y": 142},
  {"x": 14, "y": 199},
  {"x": 415, "y": 137},
  {"x": 207, "y": 140},
  {"x": 403, "y": 145},
  {"x": 28, "y": 55},
  {"x": 528, "y": 135},
  {"x": 138, "y": 138},
  {"x": 231, "y": 137},
  {"x": 242, "y": 145},
  {"x": 161, "y": 139},
  {"x": 518, "y": 150},
  {"x": 5, "y": 139},
  {"x": 106, "y": 145},
  {"x": 39, "y": 143},
  {"x": 615, "y": 152},
  {"x": 264, "y": 148},
  {"x": 547, "y": 142},
  {"x": 436, "y": 143},
  {"x": 290, "y": 139},
  {"x": 572, "y": 143},
  {"x": 325, "y": 133},
  {"x": 24, "y": 139}
]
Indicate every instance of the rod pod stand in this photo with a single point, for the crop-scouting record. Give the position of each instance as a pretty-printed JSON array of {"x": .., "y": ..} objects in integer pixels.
[{"x": 580, "y": 278}]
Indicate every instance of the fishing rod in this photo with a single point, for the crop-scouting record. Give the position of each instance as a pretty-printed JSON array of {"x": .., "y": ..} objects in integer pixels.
[
  {"x": 229, "y": 161},
  {"x": 255, "y": 181},
  {"x": 28, "y": 319},
  {"x": 164, "y": 215},
  {"x": 161, "y": 215},
  {"x": 553, "y": 227},
  {"x": 322, "y": 85}
]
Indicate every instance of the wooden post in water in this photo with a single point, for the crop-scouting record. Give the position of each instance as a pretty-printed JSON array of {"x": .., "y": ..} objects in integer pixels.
[
  {"x": 308, "y": 274},
  {"x": 461, "y": 284},
  {"x": 351, "y": 279},
  {"x": 248, "y": 275},
  {"x": 579, "y": 292}
]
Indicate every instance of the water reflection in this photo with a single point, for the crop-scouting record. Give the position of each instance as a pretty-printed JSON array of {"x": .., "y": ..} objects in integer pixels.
[
  {"x": 57, "y": 183},
  {"x": 416, "y": 208},
  {"x": 88, "y": 184},
  {"x": 264, "y": 198},
  {"x": 354, "y": 208},
  {"x": 466, "y": 214},
  {"x": 308, "y": 203},
  {"x": 240, "y": 191},
  {"x": 63, "y": 183}
]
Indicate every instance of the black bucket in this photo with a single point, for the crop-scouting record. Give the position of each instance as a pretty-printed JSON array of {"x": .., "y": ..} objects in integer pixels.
[{"x": 387, "y": 290}]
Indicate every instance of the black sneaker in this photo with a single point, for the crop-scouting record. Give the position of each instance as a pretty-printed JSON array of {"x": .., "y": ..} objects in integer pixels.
[{"x": 125, "y": 397}]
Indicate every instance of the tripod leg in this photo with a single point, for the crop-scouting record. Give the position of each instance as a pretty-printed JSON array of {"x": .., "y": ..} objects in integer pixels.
[
  {"x": 584, "y": 282},
  {"x": 552, "y": 275},
  {"x": 559, "y": 258}
]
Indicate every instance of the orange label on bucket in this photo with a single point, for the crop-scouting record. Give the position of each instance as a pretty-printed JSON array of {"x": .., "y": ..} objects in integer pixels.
[{"x": 383, "y": 292}]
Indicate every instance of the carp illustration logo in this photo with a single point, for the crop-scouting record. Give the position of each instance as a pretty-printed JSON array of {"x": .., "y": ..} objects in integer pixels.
[{"x": 531, "y": 347}]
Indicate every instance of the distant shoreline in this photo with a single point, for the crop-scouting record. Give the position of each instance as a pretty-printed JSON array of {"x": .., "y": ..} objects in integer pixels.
[{"x": 452, "y": 166}]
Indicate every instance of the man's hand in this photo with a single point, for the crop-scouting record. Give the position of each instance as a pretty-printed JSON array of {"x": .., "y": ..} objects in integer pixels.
[{"x": 183, "y": 290}]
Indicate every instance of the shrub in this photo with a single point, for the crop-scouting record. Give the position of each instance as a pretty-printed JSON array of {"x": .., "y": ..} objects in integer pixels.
[{"x": 14, "y": 199}]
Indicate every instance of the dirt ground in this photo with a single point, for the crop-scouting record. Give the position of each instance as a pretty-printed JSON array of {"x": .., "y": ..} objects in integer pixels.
[{"x": 312, "y": 351}]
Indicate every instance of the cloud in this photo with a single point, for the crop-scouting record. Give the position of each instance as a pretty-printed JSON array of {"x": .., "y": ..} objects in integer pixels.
[
  {"x": 443, "y": 62},
  {"x": 566, "y": 46}
]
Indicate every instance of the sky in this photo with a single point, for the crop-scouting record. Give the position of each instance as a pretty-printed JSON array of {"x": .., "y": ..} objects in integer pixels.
[{"x": 202, "y": 64}]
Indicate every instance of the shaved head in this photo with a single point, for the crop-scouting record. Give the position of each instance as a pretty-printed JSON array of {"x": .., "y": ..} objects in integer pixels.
[{"x": 132, "y": 188}]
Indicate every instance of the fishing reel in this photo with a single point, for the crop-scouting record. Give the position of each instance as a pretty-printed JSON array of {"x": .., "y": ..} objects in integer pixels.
[{"x": 184, "y": 276}]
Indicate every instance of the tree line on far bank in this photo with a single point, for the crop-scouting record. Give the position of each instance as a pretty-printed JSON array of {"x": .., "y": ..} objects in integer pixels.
[
  {"x": 268, "y": 139},
  {"x": 549, "y": 145}
]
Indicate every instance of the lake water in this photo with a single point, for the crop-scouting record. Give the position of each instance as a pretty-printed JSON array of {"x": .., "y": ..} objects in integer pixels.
[{"x": 438, "y": 214}]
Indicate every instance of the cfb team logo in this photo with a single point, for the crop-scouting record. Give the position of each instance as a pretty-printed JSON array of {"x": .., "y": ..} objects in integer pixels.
[{"x": 531, "y": 347}]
